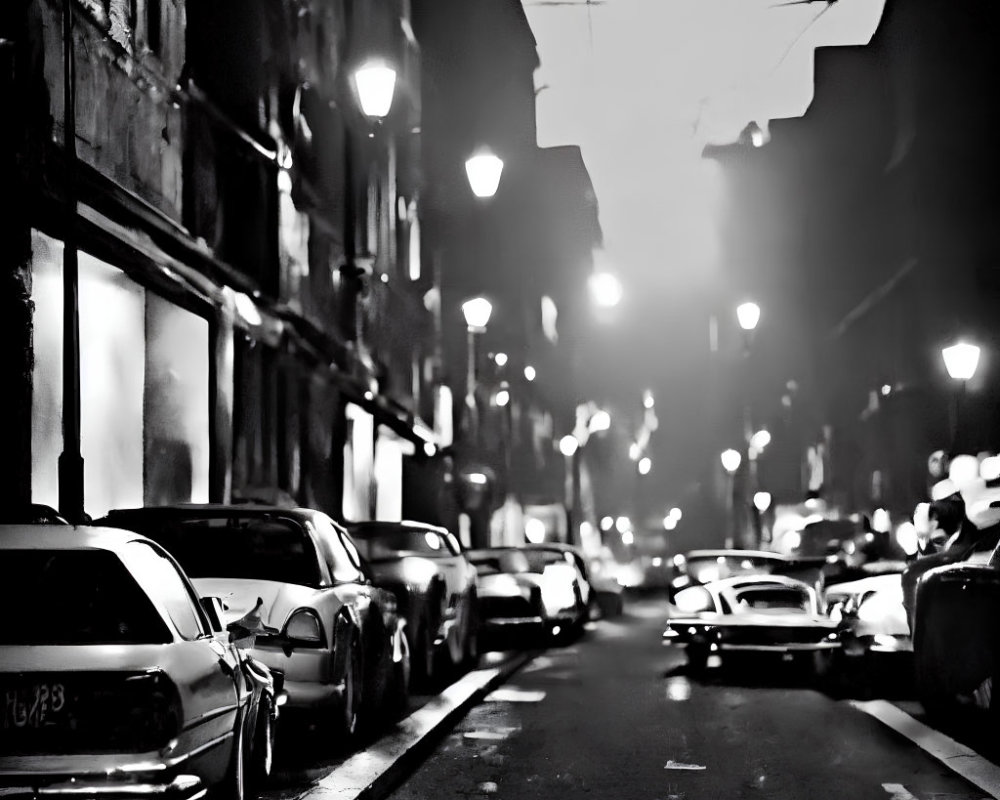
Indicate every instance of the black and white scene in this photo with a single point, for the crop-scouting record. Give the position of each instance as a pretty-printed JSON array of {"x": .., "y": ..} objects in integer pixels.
[{"x": 499, "y": 400}]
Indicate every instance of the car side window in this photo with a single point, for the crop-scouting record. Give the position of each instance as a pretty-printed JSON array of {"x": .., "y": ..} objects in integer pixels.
[
  {"x": 345, "y": 564},
  {"x": 160, "y": 576}
]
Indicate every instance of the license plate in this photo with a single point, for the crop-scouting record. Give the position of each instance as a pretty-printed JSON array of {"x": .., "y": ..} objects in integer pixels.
[{"x": 34, "y": 705}]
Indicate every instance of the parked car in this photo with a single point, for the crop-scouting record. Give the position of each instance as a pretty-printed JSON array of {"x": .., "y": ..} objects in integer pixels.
[
  {"x": 511, "y": 613},
  {"x": 117, "y": 679},
  {"x": 339, "y": 640},
  {"x": 435, "y": 586},
  {"x": 955, "y": 647},
  {"x": 602, "y": 593},
  {"x": 871, "y": 615},
  {"x": 751, "y": 614},
  {"x": 562, "y": 590}
]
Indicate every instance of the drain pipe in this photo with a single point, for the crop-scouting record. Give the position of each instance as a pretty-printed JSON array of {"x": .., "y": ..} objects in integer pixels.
[{"x": 70, "y": 460}]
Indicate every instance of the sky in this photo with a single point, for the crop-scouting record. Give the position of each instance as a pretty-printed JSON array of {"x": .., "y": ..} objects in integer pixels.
[{"x": 641, "y": 86}]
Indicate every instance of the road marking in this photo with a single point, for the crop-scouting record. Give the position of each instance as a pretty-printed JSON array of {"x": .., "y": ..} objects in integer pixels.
[
  {"x": 897, "y": 791},
  {"x": 957, "y": 757},
  {"x": 680, "y": 765},
  {"x": 491, "y": 735},
  {"x": 371, "y": 773},
  {"x": 512, "y": 694}
]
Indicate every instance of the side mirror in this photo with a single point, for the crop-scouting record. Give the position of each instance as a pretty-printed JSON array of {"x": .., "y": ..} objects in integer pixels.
[{"x": 213, "y": 608}]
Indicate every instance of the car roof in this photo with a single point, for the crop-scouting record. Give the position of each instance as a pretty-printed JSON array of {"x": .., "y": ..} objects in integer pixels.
[
  {"x": 735, "y": 554},
  {"x": 65, "y": 537},
  {"x": 372, "y": 524},
  {"x": 211, "y": 510}
]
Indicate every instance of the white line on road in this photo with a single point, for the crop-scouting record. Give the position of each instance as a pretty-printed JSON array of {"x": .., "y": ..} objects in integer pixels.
[
  {"x": 957, "y": 757},
  {"x": 360, "y": 773},
  {"x": 897, "y": 791},
  {"x": 512, "y": 694},
  {"x": 671, "y": 764}
]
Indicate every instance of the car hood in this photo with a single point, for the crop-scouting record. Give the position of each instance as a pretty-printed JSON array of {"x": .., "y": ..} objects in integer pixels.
[
  {"x": 239, "y": 597},
  {"x": 415, "y": 571},
  {"x": 892, "y": 583}
]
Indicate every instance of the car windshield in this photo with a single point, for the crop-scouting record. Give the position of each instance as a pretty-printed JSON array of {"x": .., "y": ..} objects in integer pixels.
[
  {"x": 773, "y": 598},
  {"x": 538, "y": 560},
  {"x": 378, "y": 543},
  {"x": 252, "y": 547},
  {"x": 705, "y": 569},
  {"x": 510, "y": 562},
  {"x": 75, "y": 597}
]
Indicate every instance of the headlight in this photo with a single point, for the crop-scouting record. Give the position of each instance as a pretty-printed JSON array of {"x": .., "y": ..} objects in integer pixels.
[{"x": 557, "y": 592}]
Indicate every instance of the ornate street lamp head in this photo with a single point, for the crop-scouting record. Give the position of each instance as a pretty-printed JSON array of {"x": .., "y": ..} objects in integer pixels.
[
  {"x": 748, "y": 315},
  {"x": 484, "y": 170},
  {"x": 961, "y": 360},
  {"x": 568, "y": 445},
  {"x": 477, "y": 313},
  {"x": 375, "y": 81},
  {"x": 731, "y": 460}
]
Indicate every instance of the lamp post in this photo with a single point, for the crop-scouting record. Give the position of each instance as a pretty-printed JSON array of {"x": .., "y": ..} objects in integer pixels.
[
  {"x": 569, "y": 446},
  {"x": 477, "y": 314},
  {"x": 748, "y": 315},
  {"x": 731, "y": 460},
  {"x": 762, "y": 502},
  {"x": 961, "y": 360}
]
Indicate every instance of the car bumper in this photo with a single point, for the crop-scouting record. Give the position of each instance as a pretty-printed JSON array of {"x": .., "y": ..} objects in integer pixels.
[
  {"x": 500, "y": 633},
  {"x": 721, "y": 645},
  {"x": 180, "y": 787},
  {"x": 306, "y": 682}
]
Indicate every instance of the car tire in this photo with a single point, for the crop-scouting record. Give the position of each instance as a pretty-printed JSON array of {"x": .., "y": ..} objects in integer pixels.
[
  {"x": 422, "y": 658},
  {"x": 697, "y": 658},
  {"x": 471, "y": 645},
  {"x": 262, "y": 751},
  {"x": 348, "y": 721}
]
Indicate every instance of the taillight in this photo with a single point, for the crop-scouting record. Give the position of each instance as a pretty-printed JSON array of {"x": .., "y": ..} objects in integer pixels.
[
  {"x": 154, "y": 714},
  {"x": 304, "y": 626}
]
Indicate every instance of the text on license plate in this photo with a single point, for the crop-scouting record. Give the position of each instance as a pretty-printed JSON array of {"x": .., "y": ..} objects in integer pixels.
[{"x": 33, "y": 705}]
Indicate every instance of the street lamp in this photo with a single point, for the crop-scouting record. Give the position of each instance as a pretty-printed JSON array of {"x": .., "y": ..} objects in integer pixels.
[
  {"x": 569, "y": 446},
  {"x": 961, "y": 360},
  {"x": 731, "y": 460},
  {"x": 477, "y": 313},
  {"x": 748, "y": 315},
  {"x": 606, "y": 289},
  {"x": 483, "y": 170},
  {"x": 375, "y": 81}
]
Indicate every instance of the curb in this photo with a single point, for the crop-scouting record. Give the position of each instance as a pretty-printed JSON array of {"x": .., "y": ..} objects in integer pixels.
[{"x": 372, "y": 773}]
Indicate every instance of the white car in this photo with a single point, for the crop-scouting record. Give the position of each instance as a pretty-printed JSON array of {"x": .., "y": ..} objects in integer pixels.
[
  {"x": 117, "y": 680},
  {"x": 871, "y": 615}
]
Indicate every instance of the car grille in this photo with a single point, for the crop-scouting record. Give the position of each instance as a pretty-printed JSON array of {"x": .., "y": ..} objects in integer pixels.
[{"x": 86, "y": 712}]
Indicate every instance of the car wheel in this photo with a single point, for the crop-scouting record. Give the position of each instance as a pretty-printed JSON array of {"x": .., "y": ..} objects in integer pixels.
[
  {"x": 422, "y": 658},
  {"x": 349, "y": 715}
]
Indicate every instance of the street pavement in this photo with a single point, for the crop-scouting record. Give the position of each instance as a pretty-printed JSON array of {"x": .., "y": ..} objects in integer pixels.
[{"x": 616, "y": 715}]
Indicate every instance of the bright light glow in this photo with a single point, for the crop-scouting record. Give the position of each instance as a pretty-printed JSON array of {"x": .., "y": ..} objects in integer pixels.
[
  {"x": 601, "y": 421},
  {"x": 748, "y": 315},
  {"x": 628, "y": 537},
  {"x": 623, "y": 524},
  {"x": 760, "y": 439},
  {"x": 647, "y": 399},
  {"x": 961, "y": 360},
  {"x": 886, "y": 389},
  {"x": 762, "y": 501},
  {"x": 881, "y": 521},
  {"x": 376, "y": 82},
  {"x": 247, "y": 309},
  {"x": 669, "y": 523},
  {"x": 477, "y": 313},
  {"x": 989, "y": 470},
  {"x": 963, "y": 470},
  {"x": 484, "y": 170},
  {"x": 679, "y": 560},
  {"x": 500, "y": 359},
  {"x": 676, "y": 513},
  {"x": 529, "y": 373},
  {"x": 556, "y": 630},
  {"x": 693, "y": 600},
  {"x": 645, "y": 465},
  {"x": 607, "y": 523},
  {"x": 792, "y": 540},
  {"x": 657, "y": 561},
  {"x": 534, "y": 530},
  {"x": 906, "y": 537},
  {"x": 731, "y": 460},
  {"x": 634, "y": 451},
  {"x": 477, "y": 478},
  {"x": 605, "y": 289},
  {"x": 429, "y": 449},
  {"x": 433, "y": 540},
  {"x": 568, "y": 445},
  {"x": 503, "y": 397}
]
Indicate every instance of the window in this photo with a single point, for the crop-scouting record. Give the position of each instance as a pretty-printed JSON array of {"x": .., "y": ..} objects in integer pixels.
[
  {"x": 75, "y": 597},
  {"x": 156, "y": 571},
  {"x": 154, "y": 22},
  {"x": 387, "y": 542},
  {"x": 344, "y": 565}
]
